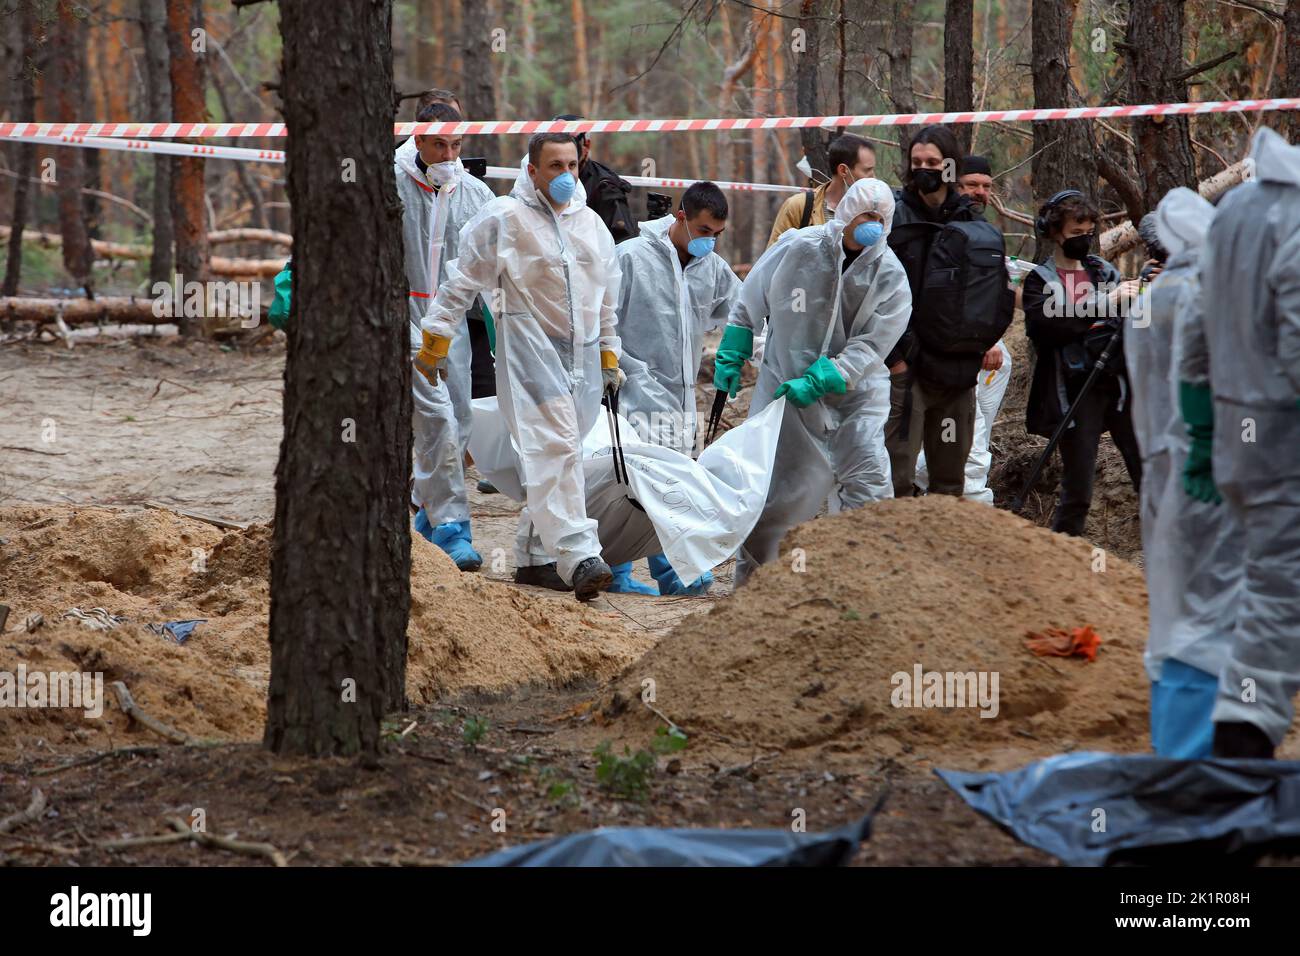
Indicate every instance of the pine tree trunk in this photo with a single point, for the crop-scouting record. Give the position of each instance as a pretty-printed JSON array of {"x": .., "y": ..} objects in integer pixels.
[
  {"x": 1063, "y": 154},
  {"x": 1291, "y": 82},
  {"x": 807, "y": 94},
  {"x": 900, "y": 78},
  {"x": 959, "y": 65},
  {"x": 581, "y": 80},
  {"x": 1155, "y": 56},
  {"x": 189, "y": 212},
  {"x": 67, "y": 82},
  {"x": 153, "y": 24},
  {"x": 340, "y": 564},
  {"x": 477, "y": 96},
  {"x": 23, "y": 154}
]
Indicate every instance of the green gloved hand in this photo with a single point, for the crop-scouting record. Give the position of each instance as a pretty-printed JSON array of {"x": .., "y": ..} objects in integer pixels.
[
  {"x": 801, "y": 392},
  {"x": 1198, "y": 472},
  {"x": 822, "y": 377},
  {"x": 279, "y": 311},
  {"x": 827, "y": 377},
  {"x": 737, "y": 346}
]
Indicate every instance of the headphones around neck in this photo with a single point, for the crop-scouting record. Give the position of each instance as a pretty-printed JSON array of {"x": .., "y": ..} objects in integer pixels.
[{"x": 1040, "y": 223}]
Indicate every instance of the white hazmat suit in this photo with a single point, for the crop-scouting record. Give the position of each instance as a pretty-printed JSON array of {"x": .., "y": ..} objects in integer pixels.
[
  {"x": 1250, "y": 280},
  {"x": 431, "y": 224},
  {"x": 854, "y": 316},
  {"x": 552, "y": 282},
  {"x": 664, "y": 312}
]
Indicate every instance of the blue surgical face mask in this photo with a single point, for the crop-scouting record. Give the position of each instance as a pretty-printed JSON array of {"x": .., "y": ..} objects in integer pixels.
[
  {"x": 868, "y": 233},
  {"x": 562, "y": 187},
  {"x": 700, "y": 246}
]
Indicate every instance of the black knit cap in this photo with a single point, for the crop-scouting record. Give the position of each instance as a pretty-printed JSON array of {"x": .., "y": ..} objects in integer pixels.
[{"x": 975, "y": 164}]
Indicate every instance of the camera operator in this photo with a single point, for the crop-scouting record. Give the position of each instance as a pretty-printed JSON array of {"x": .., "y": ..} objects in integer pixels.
[{"x": 1074, "y": 306}]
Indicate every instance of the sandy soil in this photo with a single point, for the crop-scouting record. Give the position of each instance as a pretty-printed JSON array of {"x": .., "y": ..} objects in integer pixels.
[{"x": 783, "y": 691}]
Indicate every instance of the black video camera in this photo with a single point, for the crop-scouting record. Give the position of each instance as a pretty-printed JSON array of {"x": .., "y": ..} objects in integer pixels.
[
  {"x": 657, "y": 205},
  {"x": 475, "y": 165}
]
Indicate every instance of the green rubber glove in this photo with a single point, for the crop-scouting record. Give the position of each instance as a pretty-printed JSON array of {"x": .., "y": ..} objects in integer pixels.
[
  {"x": 279, "y": 311},
  {"x": 827, "y": 377},
  {"x": 801, "y": 392},
  {"x": 1198, "y": 472},
  {"x": 737, "y": 346}
]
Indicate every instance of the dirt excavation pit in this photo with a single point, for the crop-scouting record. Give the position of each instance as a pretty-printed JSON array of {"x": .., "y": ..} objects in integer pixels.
[
  {"x": 803, "y": 659},
  {"x": 155, "y": 566}
]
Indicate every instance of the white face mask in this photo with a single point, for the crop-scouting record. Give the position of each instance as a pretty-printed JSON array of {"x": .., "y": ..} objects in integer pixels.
[{"x": 439, "y": 174}]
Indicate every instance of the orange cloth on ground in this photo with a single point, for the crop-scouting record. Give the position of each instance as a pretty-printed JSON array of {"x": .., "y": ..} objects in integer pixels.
[{"x": 1054, "y": 642}]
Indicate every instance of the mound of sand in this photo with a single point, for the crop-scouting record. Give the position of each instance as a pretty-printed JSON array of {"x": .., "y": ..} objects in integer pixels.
[
  {"x": 154, "y": 566},
  {"x": 805, "y": 655}
]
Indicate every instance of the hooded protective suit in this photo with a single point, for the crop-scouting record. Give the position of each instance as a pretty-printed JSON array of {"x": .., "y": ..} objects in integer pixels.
[
  {"x": 431, "y": 223},
  {"x": 855, "y": 317},
  {"x": 553, "y": 280},
  {"x": 989, "y": 392},
  {"x": 1192, "y": 548},
  {"x": 1250, "y": 319},
  {"x": 664, "y": 312}
]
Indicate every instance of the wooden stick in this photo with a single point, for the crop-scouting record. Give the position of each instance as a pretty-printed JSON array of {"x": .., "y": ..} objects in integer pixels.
[
  {"x": 95, "y": 758},
  {"x": 132, "y": 710},
  {"x": 33, "y": 812},
  {"x": 226, "y": 843},
  {"x": 197, "y": 516}
]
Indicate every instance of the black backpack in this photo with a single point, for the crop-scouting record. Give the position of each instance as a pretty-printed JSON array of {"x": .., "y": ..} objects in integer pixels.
[{"x": 964, "y": 303}]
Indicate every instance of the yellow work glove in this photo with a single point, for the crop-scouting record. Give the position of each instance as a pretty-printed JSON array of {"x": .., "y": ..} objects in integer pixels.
[
  {"x": 431, "y": 360},
  {"x": 611, "y": 376}
]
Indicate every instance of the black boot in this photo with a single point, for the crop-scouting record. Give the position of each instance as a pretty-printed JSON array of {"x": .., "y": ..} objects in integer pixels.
[
  {"x": 1241, "y": 740},
  {"x": 591, "y": 576},
  {"x": 542, "y": 576}
]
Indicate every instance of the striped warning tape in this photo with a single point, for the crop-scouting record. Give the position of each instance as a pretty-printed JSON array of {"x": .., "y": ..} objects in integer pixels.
[
  {"x": 277, "y": 156},
  {"x": 235, "y": 130}
]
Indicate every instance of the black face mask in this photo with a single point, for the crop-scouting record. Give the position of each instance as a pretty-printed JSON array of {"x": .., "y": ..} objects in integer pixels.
[
  {"x": 927, "y": 181},
  {"x": 1076, "y": 247}
]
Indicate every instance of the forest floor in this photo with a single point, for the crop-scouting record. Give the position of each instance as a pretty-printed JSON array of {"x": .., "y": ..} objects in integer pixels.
[{"x": 117, "y": 424}]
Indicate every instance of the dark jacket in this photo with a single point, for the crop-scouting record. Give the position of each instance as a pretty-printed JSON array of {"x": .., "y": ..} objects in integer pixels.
[
  {"x": 1054, "y": 384},
  {"x": 607, "y": 197},
  {"x": 912, "y": 249}
]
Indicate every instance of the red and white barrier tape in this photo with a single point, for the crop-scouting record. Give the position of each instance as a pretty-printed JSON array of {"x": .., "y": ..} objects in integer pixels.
[
  {"x": 504, "y": 127},
  {"x": 277, "y": 156}
]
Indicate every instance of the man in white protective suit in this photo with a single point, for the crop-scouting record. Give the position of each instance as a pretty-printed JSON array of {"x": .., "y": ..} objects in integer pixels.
[
  {"x": 674, "y": 289},
  {"x": 438, "y": 198},
  {"x": 547, "y": 263},
  {"x": 1244, "y": 431},
  {"x": 1192, "y": 548},
  {"x": 836, "y": 301}
]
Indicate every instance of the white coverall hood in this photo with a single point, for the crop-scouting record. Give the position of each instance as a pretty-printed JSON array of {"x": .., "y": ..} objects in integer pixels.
[
  {"x": 1276, "y": 160},
  {"x": 1182, "y": 219},
  {"x": 867, "y": 195},
  {"x": 525, "y": 191}
]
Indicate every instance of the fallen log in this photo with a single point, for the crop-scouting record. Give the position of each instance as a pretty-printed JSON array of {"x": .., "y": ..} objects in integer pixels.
[
  {"x": 88, "y": 312},
  {"x": 218, "y": 265},
  {"x": 1120, "y": 239}
]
